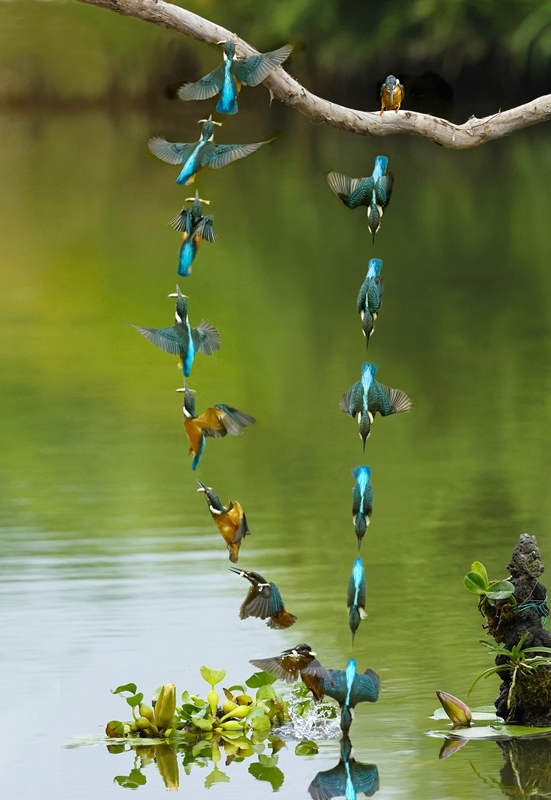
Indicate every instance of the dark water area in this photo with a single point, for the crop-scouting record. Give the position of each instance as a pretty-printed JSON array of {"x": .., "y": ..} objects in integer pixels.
[{"x": 111, "y": 570}]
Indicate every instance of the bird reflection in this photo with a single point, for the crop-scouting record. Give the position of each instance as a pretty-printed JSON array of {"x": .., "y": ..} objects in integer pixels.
[{"x": 347, "y": 779}]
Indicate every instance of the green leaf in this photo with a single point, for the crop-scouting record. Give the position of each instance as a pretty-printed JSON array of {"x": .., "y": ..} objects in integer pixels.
[
  {"x": 237, "y": 687},
  {"x": 201, "y": 747},
  {"x": 131, "y": 781},
  {"x": 273, "y": 775},
  {"x": 307, "y": 748},
  {"x": 487, "y": 673},
  {"x": 476, "y": 566},
  {"x": 475, "y": 583},
  {"x": 201, "y": 723},
  {"x": 261, "y": 723},
  {"x": 268, "y": 761},
  {"x": 136, "y": 700},
  {"x": 216, "y": 776},
  {"x": 212, "y": 676},
  {"x": 500, "y": 590},
  {"x": 260, "y": 679},
  {"x": 255, "y": 712},
  {"x": 266, "y": 692},
  {"x": 127, "y": 687}
]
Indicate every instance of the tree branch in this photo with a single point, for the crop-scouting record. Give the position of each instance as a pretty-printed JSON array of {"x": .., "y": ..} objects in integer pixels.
[{"x": 286, "y": 89}]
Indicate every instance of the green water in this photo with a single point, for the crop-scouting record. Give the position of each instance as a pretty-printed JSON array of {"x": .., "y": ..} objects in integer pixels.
[{"x": 111, "y": 569}]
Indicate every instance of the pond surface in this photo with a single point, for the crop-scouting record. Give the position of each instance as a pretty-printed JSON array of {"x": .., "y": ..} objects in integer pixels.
[{"x": 111, "y": 569}]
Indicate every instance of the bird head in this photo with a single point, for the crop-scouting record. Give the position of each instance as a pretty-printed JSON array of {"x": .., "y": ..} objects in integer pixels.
[
  {"x": 202, "y": 487},
  {"x": 229, "y": 49},
  {"x": 301, "y": 649},
  {"x": 208, "y": 127},
  {"x": 197, "y": 207},
  {"x": 253, "y": 577},
  {"x": 181, "y": 305},
  {"x": 189, "y": 401}
]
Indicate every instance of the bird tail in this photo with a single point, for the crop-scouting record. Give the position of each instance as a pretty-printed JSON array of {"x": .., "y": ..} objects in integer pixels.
[
  {"x": 227, "y": 106},
  {"x": 198, "y": 455},
  {"x": 281, "y": 620},
  {"x": 186, "y": 256},
  {"x": 234, "y": 552}
]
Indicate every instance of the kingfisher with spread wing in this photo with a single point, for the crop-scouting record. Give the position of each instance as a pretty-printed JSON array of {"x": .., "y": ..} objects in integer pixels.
[
  {"x": 373, "y": 192},
  {"x": 298, "y": 662},
  {"x": 233, "y": 73},
  {"x": 264, "y": 600}
]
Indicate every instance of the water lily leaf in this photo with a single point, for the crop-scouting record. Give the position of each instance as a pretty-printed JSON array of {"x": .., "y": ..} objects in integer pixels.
[
  {"x": 500, "y": 590},
  {"x": 497, "y": 732},
  {"x": 260, "y": 679},
  {"x": 216, "y": 776},
  {"x": 136, "y": 700},
  {"x": 131, "y": 781},
  {"x": 126, "y": 687},
  {"x": 212, "y": 676},
  {"x": 266, "y": 692},
  {"x": 475, "y": 583},
  {"x": 476, "y": 566},
  {"x": 307, "y": 748},
  {"x": 273, "y": 775},
  {"x": 482, "y": 714}
]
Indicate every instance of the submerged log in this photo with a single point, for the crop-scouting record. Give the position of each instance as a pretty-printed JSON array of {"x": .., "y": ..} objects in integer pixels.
[{"x": 525, "y": 693}]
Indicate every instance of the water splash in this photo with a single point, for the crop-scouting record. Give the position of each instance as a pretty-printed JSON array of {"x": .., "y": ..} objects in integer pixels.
[{"x": 309, "y": 720}]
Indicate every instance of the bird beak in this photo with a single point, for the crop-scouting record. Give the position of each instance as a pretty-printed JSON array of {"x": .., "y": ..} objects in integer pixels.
[
  {"x": 237, "y": 571},
  {"x": 222, "y": 42},
  {"x": 181, "y": 295},
  {"x": 202, "y": 487},
  {"x": 181, "y": 389}
]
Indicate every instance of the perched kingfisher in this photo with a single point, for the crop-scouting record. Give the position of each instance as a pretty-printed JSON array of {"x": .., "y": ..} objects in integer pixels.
[
  {"x": 348, "y": 779},
  {"x": 264, "y": 600},
  {"x": 370, "y": 297},
  {"x": 373, "y": 192},
  {"x": 181, "y": 339},
  {"x": 215, "y": 422},
  {"x": 367, "y": 396},
  {"x": 203, "y": 153},
  {"x": 362, "y": 501},
  {"x": 298, "y": 662},
  {"x": 392, "y": 94},
  {"x": 231, "y": 74},
  {"x": 350, "y": 688},
  {"x": 356, "y": 596},
  {"x": 194, "y": 228},
  {"x": 230, "y": 520}
]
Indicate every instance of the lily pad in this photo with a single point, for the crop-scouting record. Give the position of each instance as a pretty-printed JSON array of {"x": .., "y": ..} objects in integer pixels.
[
  {"x": 481, "y": 714},
  {"x": 495, "y": 732}
]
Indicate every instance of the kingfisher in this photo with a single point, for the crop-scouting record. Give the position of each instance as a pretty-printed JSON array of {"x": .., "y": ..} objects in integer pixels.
[
  {"x": 194, "y": 228},
  {"x": 370, "y": 297},
  {"x": 356, "y": 596},
  {"x": 351, "y": 687},
  {"x": 230, "y": 520},
  {"x": 231, "y": 74},
  {"x": 203, "y": 153},
  {"x": 181, "y": 339},
  {"x": 373, "y": 192},
  {"x": 392, "y": 95},
  {"x": 297, "y": 662},
  {"x": 215, "y": 422},
  {"x": 347, "y": 779},
  {"x": 368, "y": 396},
  {"x": 264, "y": 600},
  {"x": 362, "y": 501}
]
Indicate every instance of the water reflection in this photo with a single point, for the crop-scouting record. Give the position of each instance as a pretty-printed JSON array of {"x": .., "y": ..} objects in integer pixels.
[
  {"x": 347, "y": 779},
  {"x": 526, "y": 772}
]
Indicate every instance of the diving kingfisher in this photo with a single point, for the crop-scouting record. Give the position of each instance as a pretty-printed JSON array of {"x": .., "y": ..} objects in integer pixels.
[
  {"x": 231, "y": 74},
  {"x": 373, "y": 192},
  {"x": 347, "y": 779},
  {"x": 350, "y": 688},
  {"x": 370, "y": 297},
  {"x": 181, "y": 339},
  {"x": 356, "y": 597},
  {"x": 297, "y": 662},
  {"x": 230, "y": 520},
  {"x": 264, "y": 600},
  {"x": 194, "y": 228},
  {"x": 368, "y": 396},
  {"x": 215, "y": 422},
  {"x": 362, "y": 501},
  {"x": 203, "y": 153},
  {"x": 392, "y": 95}
]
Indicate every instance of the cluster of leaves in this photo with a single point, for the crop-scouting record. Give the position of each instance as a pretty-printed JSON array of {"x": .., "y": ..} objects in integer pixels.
[{"x": 490, "y": 592}]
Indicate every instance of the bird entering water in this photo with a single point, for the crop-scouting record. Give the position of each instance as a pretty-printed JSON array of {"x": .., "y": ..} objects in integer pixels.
[{"x": 297, "y": 662}]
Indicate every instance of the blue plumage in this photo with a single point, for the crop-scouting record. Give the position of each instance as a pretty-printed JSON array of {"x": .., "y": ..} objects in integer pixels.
[
  {"x": 356, "y": 596},
  {"x": 362, "y": 501},
  {"x": 370, "y": 297},
  {"x": 373, "y": 192},
  {"x": 347, "y": 779}
]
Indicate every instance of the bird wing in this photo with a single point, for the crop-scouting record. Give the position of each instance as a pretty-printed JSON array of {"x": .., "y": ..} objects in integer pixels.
[
  {"x": 383, "y": 188},
  {"x": 210, "y": 423},
  {"x": 386, "y": 400},
  {"x": 171, "y": 152},
  {"x": 262, "y": 602},
  {"x": 182, "y": 222},
  {"x": 338, "y": 689},
  {"x": 232, "y": 419},
  {"x": 365, "y": 778},
  {"x": 350, "y": 592},
  {"x": 351, "y": 401},
  {"x": 274, "y": 667},
  {"x": 315, "y": 668},
  {"x": 165, "y": 338},
  {"x": 373, "y": 296},
  {"x": 362, "y": 595},
  {"x": 205, "y": 230},
  {"x": 224, "y": 154},
  {"x": 329, "y": 783},
  {"x": 356, "y": 500},
  {"x": 352, "y": 191},
  {"x": 242, "y": 529},
  {"x": 362, "y": 294},
  {"x": 365, "y": 688},
  {"x": 252, "y": 71},
  {"x": 205, "y": 87},
  {"x": 206, "y": 338}
]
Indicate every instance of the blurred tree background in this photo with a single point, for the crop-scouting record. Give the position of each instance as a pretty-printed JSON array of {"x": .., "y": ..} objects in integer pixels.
[{"x": 456, "y": 57}]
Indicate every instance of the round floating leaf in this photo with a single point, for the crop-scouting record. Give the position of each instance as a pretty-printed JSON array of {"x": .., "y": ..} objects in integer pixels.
[
  {"x": 498, "y": 732},
  {"x": 307, "y": 748},
  {"x": 136, "y": 700},
  {"x": 475, "y": 583},
  {"x": 126, "y": 687},
  {"x": 260, "y": 679},
  {"x": 212, "y": 676},
  {"x": 131, "y": 781},
  {"x": 476, "y": 566}
]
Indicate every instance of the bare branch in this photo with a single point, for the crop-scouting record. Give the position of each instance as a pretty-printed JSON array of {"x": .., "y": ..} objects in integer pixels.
[{"x": 286, "y": 89}]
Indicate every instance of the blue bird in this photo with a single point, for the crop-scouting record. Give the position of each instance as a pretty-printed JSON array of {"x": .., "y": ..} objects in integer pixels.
[
  {"x": 231, "y": 74},
  {"x": 373, "y": 192},
  {"x": 264, "y": 600},
  {"x": 370, "y": 297},
  {"x": 203, "y": 153},
  {"x": 367, "y": 397},
  {"x": 195, "y": 228},
  {"x": 362, "y": 501},
  {"x": 356, "y": 597},
  {"x": 349, "y": 688},
  {"x": 181, "y": 339},
  {"x": 348, "y": 779}
]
